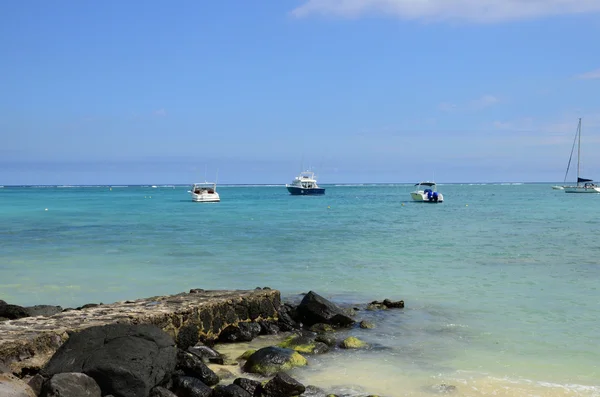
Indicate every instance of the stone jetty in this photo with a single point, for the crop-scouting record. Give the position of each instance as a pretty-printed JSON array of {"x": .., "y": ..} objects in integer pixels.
[{"x": 26, "y": 344}]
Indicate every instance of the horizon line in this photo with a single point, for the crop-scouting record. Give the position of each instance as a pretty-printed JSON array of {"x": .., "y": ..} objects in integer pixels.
[{"x": 267, "y": 184}]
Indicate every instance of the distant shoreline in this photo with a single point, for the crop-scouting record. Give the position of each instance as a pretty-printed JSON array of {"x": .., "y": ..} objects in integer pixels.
[{"x": 351, "y": 184}]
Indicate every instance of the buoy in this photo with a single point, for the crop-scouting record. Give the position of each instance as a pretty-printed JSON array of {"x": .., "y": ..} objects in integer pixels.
[
  {"x": 328, "y": 206},
  {"x": 466, "y": 205},
  {"x": 403, "y": 204},
  {"x": 46, "y": 209}
]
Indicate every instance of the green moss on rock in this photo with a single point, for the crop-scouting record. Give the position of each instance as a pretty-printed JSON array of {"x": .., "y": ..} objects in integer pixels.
[
  {"x": 304, "y": 344},
  {"x": 245, "y": 355},
  {"x": 270, "y": 360},
  {"x": 352, "y": 342}
]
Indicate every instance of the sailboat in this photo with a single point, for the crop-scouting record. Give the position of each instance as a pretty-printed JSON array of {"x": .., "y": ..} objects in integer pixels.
[{"x": 583, "y": 185}]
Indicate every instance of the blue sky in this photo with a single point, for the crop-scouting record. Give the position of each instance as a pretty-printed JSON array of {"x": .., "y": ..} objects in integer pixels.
[{"x": 362, "y": 90}]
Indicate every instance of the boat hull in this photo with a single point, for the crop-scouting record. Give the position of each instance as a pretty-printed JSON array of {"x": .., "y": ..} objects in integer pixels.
[
  {"x": 206, "y": 198},
  {"x": 424, "y": 198},
  {"x": 581, "y": 189},
  {"x": 300, "y": 191}
]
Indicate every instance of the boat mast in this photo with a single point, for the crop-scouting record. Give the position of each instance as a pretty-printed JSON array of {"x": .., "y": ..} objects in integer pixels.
[{"x": 578, "y": 149}]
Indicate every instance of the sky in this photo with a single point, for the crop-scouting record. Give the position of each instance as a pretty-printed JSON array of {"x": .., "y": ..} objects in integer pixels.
[{"x": 131, "y": 92}]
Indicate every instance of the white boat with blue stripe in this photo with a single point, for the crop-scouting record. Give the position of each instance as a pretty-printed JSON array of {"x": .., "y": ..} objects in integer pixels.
[
  {"x": 426, "y": 192},
  {"x": 305, "y": 184}
]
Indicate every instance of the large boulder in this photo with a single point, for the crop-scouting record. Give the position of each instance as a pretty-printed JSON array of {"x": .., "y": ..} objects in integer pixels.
[
  {"x": 192, "y": 365},
  {"x": 315, "y": 309},
  {"x": 71, "y": 385},
  {"x": 270, "y": 360},
  {"x": 125, "y": 360}
]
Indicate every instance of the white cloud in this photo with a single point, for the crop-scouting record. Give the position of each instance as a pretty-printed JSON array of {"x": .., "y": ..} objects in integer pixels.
[
  {"x": 480, "y": 11},
  {"x": 483, "y": 102},
  {"x": 594, "y": 74},
  {"x": 559, "y": 131},
  {"x": 476, "y": 104}
]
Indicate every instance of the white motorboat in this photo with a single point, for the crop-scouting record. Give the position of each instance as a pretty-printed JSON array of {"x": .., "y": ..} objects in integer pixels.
[
  {"x": 426, "y": 192},
  {"x": 205, "y": 192}
]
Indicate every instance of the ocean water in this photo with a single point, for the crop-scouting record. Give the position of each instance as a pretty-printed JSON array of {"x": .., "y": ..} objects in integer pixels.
[{"x": 501, "y": 282}]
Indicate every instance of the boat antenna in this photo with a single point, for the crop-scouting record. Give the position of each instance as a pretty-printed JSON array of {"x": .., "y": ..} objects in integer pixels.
[
  {"x": 578, "y": 149},
  {"x": 205, "y": 169},
  {"x": 571, "y": 156}
]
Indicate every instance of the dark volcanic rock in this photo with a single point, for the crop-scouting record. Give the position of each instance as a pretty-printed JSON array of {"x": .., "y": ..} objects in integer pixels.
[
  {"x": 232, "y": 390},
  {"x": 43, "y": 310},
  {"x": 161, "y": 392},
  {"x": 393, "y": 305},
  {"x": 320, "y": 328},
  {"x": 328, "y": 339},
  {"x": 188, "y": 336},
  {"x": 270, "y": 360},
  {"x": 207, "y": 354},
  {"x": 12, "y": 312},
  {"x": 36, "y": 383},
  {"x": 268, "y": 328},
  {"x": 315, "y": 309},
  {"x": 305, "y": 343},
  {"x": 71, "y": 385},
  {"x": 88, "y": 306},
  {"x": 243, "y": 332},
  {"x": 192, "y": 365},
  {"x": 125, "y": 360},
  {"x": 385, "y": 304},
  {"x": 283, "y": 385},
  {"x": 253, "y": 387},
  {"x": 186, "y": 386},
  {"x": 287, "y": 318}
]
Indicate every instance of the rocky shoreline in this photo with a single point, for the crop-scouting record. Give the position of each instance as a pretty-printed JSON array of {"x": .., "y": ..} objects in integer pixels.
[{"x": 130, "y": 357}]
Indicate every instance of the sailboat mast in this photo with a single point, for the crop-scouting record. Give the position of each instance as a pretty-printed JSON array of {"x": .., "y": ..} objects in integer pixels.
[{"x": 578, "y": 149}]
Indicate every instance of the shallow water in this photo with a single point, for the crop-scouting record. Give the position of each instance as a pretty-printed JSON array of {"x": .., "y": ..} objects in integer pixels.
[{"x": 501, "y": 282}]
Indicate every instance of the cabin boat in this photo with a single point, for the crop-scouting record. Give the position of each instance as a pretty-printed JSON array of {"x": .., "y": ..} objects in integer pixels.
[
  {"x": 305, "y": 184},
  {"x": 205, "y": 192},
  {"x": 426, "y": 192}
]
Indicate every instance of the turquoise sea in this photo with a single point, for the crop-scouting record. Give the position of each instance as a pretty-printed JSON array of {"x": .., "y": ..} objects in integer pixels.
[{"x": 501, "y": 281}]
